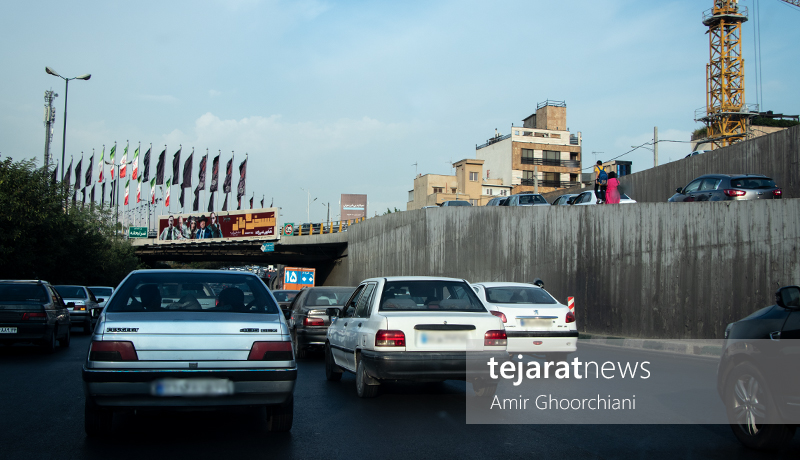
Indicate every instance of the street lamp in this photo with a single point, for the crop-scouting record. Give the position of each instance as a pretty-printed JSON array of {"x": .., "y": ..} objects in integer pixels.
[
  {"x": 66, "y": 94},
  {"x": 308, "y": 205}
]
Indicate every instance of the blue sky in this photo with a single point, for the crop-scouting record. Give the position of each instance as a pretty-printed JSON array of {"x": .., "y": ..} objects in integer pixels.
[{"x": 344, "y": 97}]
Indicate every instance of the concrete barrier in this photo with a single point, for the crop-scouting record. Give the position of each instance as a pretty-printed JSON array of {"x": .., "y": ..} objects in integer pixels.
[{"x": 655, "y": 270}]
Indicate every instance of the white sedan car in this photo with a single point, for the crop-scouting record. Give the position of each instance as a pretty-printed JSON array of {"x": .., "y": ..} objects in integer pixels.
[
  {"x": 535, "y": 322},
  {"x": 588, "y": 198},
  {"x": 411, "y": 328}
]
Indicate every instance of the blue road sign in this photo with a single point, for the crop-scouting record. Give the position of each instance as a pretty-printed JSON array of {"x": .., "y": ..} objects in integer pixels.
[
  {"x": 268, "y": 247},
  {"x": 298, "y": 277}
]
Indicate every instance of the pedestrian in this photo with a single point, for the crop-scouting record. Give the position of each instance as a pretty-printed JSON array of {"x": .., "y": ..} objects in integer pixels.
[
  {"x": 600, "y": 182},
  {"x": 612, "y": 189}
]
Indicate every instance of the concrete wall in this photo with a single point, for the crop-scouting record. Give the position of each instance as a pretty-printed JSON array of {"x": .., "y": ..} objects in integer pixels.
[
  {"x": 650, "y": 270},
  {"x": 775, "y": 155}
]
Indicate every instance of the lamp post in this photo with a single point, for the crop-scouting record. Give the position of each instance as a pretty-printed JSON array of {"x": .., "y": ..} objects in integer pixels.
[
  {"x": 66, "y": 95},
  {"x": 308, "y": 205}
]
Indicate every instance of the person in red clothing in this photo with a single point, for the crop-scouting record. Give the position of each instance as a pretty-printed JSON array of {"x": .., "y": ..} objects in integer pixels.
[{"x": 612, "y": 189}]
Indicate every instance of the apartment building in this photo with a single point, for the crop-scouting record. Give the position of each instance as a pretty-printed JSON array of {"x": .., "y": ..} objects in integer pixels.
[
  {"x": 541, "y": 155},
  {"x": 467, "y": 184}
]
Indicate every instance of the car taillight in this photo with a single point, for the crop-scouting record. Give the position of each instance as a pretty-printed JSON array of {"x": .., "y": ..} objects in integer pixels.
[
  {"x": 731, "y": 192},
  {"x": 777, "y": 193},
  {"x": 385, "y": 338},
  {"x": 495, "y": 339},
  {"x": 112, "y": 351},
  {"x": 271, "y": 351},
  {"x": 311, "y": 321},
  {"x": 570, "y": 317},
  {"x": 34, "y": 315},
  {"x": 499, "y": 314}
]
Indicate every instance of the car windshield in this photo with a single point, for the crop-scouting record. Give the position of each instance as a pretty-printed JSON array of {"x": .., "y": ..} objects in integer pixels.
[
  {"x": 15, "y": 292},
  {"x": 532, "y": 199},
  {"x": 753, "y": 183},
  {"x": 429, "y": 296},
  {"x": 284, "y": 296},
  {"x": 458, "y": 203},
  {"x": 101, "y": 292},
  {"x": 193, "y": 292},
  {"x": 71, "y": 292},
  {"x": 327, "y": 297},
  {"x": 518, "y": 294}
]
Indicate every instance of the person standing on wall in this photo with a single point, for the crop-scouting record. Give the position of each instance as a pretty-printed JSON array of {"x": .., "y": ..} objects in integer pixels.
[
  {"x": 600, "y": 182},
  {"x": 612, "y": 189}
]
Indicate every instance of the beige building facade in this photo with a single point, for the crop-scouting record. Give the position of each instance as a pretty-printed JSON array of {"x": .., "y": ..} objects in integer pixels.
[{"x": 467, "y": 184}]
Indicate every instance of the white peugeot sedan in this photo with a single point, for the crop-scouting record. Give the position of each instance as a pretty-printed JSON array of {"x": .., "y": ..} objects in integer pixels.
[
  {"x": 161, "y": 348},
  {"x": 535, "y": 322},
  {"x": 411, "y": 328}
]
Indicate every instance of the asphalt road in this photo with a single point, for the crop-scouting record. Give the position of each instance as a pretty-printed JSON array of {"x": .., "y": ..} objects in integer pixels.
[{"x": 41, "y": 416}]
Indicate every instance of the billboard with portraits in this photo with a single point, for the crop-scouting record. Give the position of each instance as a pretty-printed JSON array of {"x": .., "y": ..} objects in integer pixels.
[{"x": 246, "y": 224}]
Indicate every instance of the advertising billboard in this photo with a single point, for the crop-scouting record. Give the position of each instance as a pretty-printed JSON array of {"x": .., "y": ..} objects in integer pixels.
[
  {"x": 230, "y": 225},
  {"x": 353, "y": 206}
]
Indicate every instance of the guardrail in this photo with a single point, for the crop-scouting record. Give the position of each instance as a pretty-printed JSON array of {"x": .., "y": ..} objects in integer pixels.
[
  {"x": 325, "y": 227},
  {"x": 549, "y": 162}
]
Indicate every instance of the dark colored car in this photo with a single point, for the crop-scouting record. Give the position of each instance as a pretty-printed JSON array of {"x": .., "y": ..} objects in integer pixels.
[
  {"x": 727, "y": 187},
  {"x": 456, "y": 203},
  {"x": 84, "y": 303},
  {"x": 309, "y": 321},
  {"x": 758, "y": 377},
  {"x": 284, "y": 298},
  {"x": 526, "y": 199},
  {"x": 32, "y": 311}
]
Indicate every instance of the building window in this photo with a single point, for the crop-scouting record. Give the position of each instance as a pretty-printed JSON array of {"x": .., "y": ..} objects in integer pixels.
[
  {"x": 552, "y": 155},
  {"x": 473, "y": 176},
  {"x": 527, "y": 176},
  {"x": 453, "y": 190},
  {"x": 438, "y": 189},
  {"x": 503, "y": 192},
  {"x": 473, "y": 202},
  {"x": 489, "y": 191},
  {"x": 527, "y": 156}
]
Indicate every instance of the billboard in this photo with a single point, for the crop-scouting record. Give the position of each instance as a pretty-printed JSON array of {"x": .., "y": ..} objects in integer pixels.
[
  {"x": 230, "y": 225},
  {"x": 353, "y": 206}
]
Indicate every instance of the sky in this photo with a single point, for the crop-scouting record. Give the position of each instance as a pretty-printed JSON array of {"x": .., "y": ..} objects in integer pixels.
[{"x": 338, "y": 97}]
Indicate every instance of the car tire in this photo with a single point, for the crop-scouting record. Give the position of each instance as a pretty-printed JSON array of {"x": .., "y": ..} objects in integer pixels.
[
  {"x": 63, "y": 342},
  {"x": 97, "y": 420},
  {"x": 484, "y": 389},
  {"x": 748, "y": 401},
  {"x": 280, "y": 418},
  {"x": 363, "y": 389},
  {"x": 299, "y": 353},
  {"x": 49, "y": 343},
  {"x": 333, "y": 373}
]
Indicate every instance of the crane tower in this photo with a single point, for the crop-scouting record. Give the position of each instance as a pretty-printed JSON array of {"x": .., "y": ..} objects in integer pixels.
[{"x": 726, "y": 114}]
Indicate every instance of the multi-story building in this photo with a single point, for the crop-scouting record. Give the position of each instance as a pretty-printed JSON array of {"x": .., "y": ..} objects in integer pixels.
[
  {"x": 467, "y": 184},
  {"x": 541, "y": 155}
]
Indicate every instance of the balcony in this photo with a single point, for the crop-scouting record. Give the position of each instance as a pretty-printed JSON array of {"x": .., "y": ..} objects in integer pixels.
[
  {"x": 549, "y": 162},
  {"x": 493, "y": 140},
  {"x": 551, "y": 183}
]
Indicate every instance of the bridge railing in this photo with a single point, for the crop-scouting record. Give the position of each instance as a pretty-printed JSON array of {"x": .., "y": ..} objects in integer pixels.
[{"x": 325, "y": 227}]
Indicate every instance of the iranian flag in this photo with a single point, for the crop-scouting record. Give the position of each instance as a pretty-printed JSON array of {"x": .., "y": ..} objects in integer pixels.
[
  {"x": 101, "y": 165},
  {"x": 135, "y": 173},
  {"x": 169, "y": 186},
  {"x": 127, "y": 190},
  {"x": 124, "y": 164},
  {"x": 111, "y": 157},
  {"x": 139, "y": 186},
  {"x": 153, "y": 191}
]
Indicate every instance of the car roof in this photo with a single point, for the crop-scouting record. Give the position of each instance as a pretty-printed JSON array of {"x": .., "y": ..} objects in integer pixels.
[
  {"x": 526, "y": 193},
  {"x": 25, "y": 281},
  {"x": 413, "y": 278},
  {"x": 505, "y": 284},
  {"x": 100, "y": 287},
  {"x": 732, "y": 176}
]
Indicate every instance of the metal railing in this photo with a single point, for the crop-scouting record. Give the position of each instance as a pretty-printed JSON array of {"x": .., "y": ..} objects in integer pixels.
[
  {"x": 551, "y": 183},
  {"x": 551, "y": 162},
  {"x": 325, "y": 227},
  {"x": 493, "y": 141}
]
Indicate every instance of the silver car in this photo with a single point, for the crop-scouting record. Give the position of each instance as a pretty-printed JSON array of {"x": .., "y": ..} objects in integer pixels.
[
  {"x": 84, "y": 303},
  {"x": 153, "y": 349}
]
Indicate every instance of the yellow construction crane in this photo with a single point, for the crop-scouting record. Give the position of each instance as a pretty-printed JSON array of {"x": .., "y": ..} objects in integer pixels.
[{"x": 792, "y": 2}]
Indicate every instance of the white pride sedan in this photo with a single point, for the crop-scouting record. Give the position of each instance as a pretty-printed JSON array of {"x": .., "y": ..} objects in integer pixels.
[
  {"x": 411, "y": 328},
  {"x": 535, "y": 322}
]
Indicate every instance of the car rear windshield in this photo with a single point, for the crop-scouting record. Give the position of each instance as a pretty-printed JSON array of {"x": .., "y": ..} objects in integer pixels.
[
  {"x": 71, "y": 292},
  {"x": 429, "y": 296},
  {"x": 753, "y": 183},
  {"x": 14, "y": 293},
  {"x": 102, "y": 292},
  {"x": 532, "y": 199},
  {"x": 518, "y": 294},
  {"x": 328, "y": 297},
  {"x": 284, "y": 296},
  {"x": 458, "y": 203},
  {"x": 193, "y": 292}
]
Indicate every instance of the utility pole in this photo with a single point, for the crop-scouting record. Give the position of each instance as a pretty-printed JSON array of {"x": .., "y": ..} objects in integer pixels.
[
  {"x": 535, "y": 178},
  {"x": 655, "y": 146},
  {"x": 49, "y": 121}
]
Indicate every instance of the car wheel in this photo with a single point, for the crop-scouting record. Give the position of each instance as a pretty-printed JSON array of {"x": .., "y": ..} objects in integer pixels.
[
  {"x": 362, "y": 388},
  {"x": 332, "y": 372},
  {"x": 752, "y": 413},
  {"x": 49, "y": 343},
  {"x": 484, "y": 388},
  {"x": 280, "y": 418},
  {"x": 97, "y": 420},
  {"x": 299, "y": 353},
  {"x": 63, "y": 342}
]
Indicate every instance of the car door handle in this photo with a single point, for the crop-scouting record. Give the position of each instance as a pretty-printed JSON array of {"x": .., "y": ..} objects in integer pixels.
[
  {"x": 359, "y": 324},
  {"x": 775, "y": 335},
  {"x": 345, "y": 324}
]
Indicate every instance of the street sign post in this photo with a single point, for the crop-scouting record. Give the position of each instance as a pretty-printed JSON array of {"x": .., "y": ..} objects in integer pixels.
[
  {"x": 288, "y": 229},
  {"x": 137, "y": 232}
]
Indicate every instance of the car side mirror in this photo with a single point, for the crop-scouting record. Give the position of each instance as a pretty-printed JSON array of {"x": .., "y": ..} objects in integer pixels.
[
  {"x": 349, "y": 312},
  {"x": 538, "y": 282},
  {"x": 679, "y": 190},
  {"x": 332, "y": 312},
  {"x": 100, "y": 299},
  {"x": 788, "y": 297},
  {"x": 70, "y": 304}
]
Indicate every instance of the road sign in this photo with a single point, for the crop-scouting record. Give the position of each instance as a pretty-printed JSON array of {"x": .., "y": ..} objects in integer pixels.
[
  {"x": 268, "y": 247},
  {"x": 137, "y": 232},
  {"x": 288, "y": 229},
  {"x": 298, "y": 278}
]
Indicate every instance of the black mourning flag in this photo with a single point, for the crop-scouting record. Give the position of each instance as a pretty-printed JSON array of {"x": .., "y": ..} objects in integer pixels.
[
  {"x": 176, "y": 164},
  {"x": 160, "y": 168},
  {"x": 251, "y": 202},
  {"x": 54, "y": 175},
  {"x": 196, "y": 204},
  {"x": 187, "y": 172},
  {"x": 88, "y": 176},
  {"x": 146, "y": 175},
  {"x": 214, "y": 175},
  {"x": 68, "y": 176},
  {"x": 226, "y": 186},
  {"x": 180, "y": 199},
  {"x": 211, "y": 203},
  {"x": 225, "y": 203},
  {"x": 102, "y": 194},
  {"x": 201, "y": 175},
  {"x": 239, "y": 203},
  {"x": 78, "y": 168},
  {"x": 240, "y": 189}
]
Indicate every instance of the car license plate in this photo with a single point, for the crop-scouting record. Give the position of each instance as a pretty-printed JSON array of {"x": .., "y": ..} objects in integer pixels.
[
  {"x": 441, "y": 338},
  {"x": 537, "y": 323},
  {"x": 8, "y": 330},
  {"x": 192, "y": 387}
]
